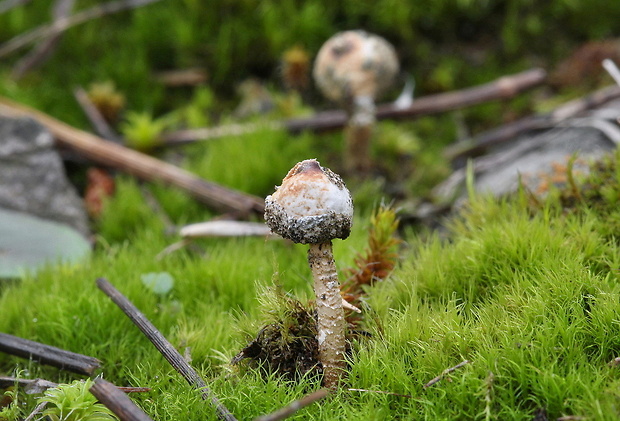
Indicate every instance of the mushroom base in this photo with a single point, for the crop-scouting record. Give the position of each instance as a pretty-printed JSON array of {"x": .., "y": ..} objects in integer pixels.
[{"x": 330, "y": 314}]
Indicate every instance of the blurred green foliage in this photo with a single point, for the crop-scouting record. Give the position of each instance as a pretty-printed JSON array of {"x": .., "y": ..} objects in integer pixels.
[{"x": 233, "y": 40}]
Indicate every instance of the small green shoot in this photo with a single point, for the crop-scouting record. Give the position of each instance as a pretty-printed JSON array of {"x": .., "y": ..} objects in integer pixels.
[
  {"x": 74, "y": 402},
  {"x": 142, "y": 131}
]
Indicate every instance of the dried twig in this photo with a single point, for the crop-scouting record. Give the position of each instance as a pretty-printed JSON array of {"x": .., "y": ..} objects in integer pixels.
[
  {"x": 36, "y": 411},
  {"x": 97, "y": 120},
  {"x": 164, "y": 347},
  {"x": 60, "y": 10},
  {"x": 181, "y": 137},
  {"x": 612, "y": 69},
  {"x": 169, "y": 227},
  {"x": 294, "y": 406},
  {"x": 31, "y": 386},
  {"x": 445, "y": 373},
  {"x": 537, "y": 122},
  {"x": 182, "y": 77},
  {"x": 382, "y": 392},
  {"x": 502, "y": 88},
  {"x": 7, "y": 5},
  {"x": 63, "y": 24},
  {"x": 117, "y": 401},
  {"x": 141, "y": 165},
  {"x": 49, "y": 355}
]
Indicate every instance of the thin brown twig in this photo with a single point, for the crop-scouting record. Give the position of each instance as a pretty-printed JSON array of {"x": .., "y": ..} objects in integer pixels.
[
  {"x": 139, "y": 164},
  {"x": 181, "y": 137},
  {"x": 60, "y": 10},
  {"x": 502, "y": 88},
  {"x": 40, "y": 385},
  {"x": 7, "y": 5},
  {"x": 63, "y": 24},
  {"x": 509, "y": 131},
  {"x": 294, "y": 406},
  {"x": 36, "y": 411},
  {"x": 382, "y": 392},
  {"x": 50, "y": 355},
  {"x": 445, "y": 373},
  {"x": 97, "y": 120},
  {"x": 117, "y": 401},
  {"x": 164, "y": 347},
  {"x": 30, "y": 385}
]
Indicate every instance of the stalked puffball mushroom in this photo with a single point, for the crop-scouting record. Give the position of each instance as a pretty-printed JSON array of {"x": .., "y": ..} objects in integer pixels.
[
  {"x": 313, "y": 206},
  {"x": 353, "y": 68}
]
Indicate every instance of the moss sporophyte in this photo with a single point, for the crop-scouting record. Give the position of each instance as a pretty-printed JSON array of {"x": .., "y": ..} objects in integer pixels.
[{"x": 313, "y": 206}]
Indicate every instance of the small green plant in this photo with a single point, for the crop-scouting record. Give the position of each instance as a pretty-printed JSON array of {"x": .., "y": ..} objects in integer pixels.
[
  {"x": 108, "y": 100},
  {"x": 74, "y": 402},
  {"x": 12, "y": 410},
  {"x": 142, "y": 131}
]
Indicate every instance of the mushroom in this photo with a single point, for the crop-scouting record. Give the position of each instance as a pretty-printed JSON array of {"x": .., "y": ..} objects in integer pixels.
[
  {"x": 313, "y": 206},
  {"x": 353, "y": 68}
]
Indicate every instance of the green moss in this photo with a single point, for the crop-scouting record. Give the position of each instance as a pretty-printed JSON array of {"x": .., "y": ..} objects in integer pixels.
[
  {"x": 528, "y": 294},
  {"x": 530, "y": 299}
]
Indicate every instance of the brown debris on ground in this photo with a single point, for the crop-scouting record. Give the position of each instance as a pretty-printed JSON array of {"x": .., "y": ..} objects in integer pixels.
[{"x": 287, "y": 346}]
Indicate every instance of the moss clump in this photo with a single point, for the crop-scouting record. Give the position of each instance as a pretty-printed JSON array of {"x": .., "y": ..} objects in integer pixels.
[{"x": 287, "y": 346}]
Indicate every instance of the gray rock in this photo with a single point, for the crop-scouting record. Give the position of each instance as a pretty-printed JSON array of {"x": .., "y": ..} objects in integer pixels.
[
  {"x": 32, "y": 175},
  {"x": 534, "y": 160}
]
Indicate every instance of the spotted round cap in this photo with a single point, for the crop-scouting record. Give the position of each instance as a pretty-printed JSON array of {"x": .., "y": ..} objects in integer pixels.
[
  {"x": 311, "y": 206},
  {"x": 355, "y": 64}
]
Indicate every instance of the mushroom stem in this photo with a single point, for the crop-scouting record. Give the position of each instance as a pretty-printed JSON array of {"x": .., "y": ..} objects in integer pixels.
[
  {"x": 330, "y": 314},
  {"x": 358, "y": 134}
]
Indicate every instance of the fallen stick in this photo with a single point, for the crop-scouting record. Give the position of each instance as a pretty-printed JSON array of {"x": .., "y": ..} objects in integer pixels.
[
  {"x": 36, "y": 411},
  {"x": 40, "y": 385},
  {"x": 138, "y": 164},
  {"x": 164, "y": 347},
  {"x": 294, "y": 406},
  {"x": 381, "y": 392},
  {"x": 39, "y": 54},
  {"x": 50, "y": 355},
  {"x": 509, "y": 131},
  {"x": 9, "y": 4},
  {"x": 101, "y": 126},
  {"x": 60, "y": 25},
  {"x": 185, "y": 136},
  {"x": 29, "y": 385},
  {"x": 445, "y": 373},
  {"x": 502, "y": 88},
  {"x": 117, "y": 401}
]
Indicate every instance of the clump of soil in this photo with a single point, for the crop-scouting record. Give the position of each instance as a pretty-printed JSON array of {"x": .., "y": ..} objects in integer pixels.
[{"x": 288, "y": 346}]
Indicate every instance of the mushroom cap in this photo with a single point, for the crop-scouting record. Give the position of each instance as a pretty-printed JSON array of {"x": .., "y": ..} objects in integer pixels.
[
  {"x": 311, "y": 206},
  {"x": 355, "y": 63}
]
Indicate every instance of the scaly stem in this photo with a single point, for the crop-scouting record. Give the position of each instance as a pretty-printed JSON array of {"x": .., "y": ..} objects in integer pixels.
[
  {"x": 330, "y": 315},
  {"x": 358, "y": 134}
]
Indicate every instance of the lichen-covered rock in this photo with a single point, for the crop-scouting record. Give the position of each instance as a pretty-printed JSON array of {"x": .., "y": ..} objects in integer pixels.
[
  {"x": 32, "y": 175},
  {"x": 311, "y": 206}
]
